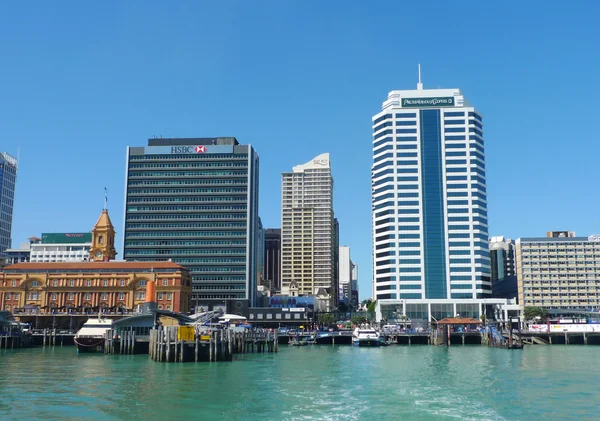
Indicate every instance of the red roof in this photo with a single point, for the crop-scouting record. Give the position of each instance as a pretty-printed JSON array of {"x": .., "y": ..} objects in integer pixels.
[
  {"x": 93, "y": 265},
  {"x": 459, "y": 321}
]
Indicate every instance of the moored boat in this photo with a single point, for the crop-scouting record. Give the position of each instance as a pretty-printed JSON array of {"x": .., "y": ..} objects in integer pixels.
[
  {"x": 90, "y": 338},
  {"x": 367, "y": 337}
]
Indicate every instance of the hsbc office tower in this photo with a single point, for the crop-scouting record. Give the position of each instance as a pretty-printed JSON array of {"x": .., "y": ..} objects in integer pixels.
[{"x": 195, "y": 201}]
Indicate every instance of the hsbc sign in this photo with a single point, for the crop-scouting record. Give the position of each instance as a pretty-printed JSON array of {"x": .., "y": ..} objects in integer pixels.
[{"x": 188, "y": 149}]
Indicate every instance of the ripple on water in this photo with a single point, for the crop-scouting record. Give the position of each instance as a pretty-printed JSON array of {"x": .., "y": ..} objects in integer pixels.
[{"x": 310, "y": 383}]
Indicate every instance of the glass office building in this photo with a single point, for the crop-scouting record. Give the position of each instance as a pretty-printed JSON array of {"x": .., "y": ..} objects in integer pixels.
[
  {"x": 429, "y": 200},
  {"x": 195, "y": 201},
  {"x": 8, "y": 178}
]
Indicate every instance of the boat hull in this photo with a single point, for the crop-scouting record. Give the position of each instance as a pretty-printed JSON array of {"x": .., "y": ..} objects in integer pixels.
[
  {"x": 366, "y": 342},
  {"x": 89, "y": 344}
]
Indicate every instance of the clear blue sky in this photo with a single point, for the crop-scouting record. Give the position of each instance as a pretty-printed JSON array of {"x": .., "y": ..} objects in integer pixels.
[{"x": 82, "y": 80}]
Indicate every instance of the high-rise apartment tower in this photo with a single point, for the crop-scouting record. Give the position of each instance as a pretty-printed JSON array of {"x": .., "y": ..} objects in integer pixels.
[{"x": 307, "y": 228}]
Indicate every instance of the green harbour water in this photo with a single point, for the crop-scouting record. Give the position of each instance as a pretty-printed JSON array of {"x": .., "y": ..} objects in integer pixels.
[{"x": 307, "y": 383}]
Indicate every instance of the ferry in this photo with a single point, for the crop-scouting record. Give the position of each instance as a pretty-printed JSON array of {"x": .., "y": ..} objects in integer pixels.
[
  {"x": 90, "y": 338},
  {"x": 367, "y": 337}
]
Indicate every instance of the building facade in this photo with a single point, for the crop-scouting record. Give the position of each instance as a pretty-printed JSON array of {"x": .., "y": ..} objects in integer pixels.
[
  {"x": 272, "y": 259},
  {"x": 354, "y": 300},
  {"x": 62, "y": 247},
  {"x": 559, "y": 271},
  {"x": 429, "y": 200},
  {"x": 502, "y": 267},
  {"x": 93, "y": 286},
  {"x": 195, "y": 202},
  {"x": 345, "y": 275},
  {"x": 307, "y": 229},
  {"x": 8, "y": 179}
]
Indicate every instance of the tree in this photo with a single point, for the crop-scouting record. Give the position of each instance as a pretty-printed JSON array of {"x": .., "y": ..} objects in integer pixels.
[
  {"x": 532, "y": 313},
  {"x": 343, "y": 308},
  {"x": 358, "y": 320},
  {"x": 366, "y": 303},
  {"x": 327, "y": 319},
  {"x": 483, "y": 318},
  {"x": 371, "y": 306}
]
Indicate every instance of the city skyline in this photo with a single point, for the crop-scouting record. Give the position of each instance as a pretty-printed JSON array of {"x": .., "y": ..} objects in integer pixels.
[{"x": 91, "y": 95}]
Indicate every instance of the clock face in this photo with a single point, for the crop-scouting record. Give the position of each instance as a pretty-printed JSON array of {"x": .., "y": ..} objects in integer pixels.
[{"x": 98, "y": 254}]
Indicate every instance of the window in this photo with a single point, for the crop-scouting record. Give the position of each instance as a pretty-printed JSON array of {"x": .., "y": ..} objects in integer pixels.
[
  {"x": 122, "y": 283},
  {"x": 160, "y": 295},
  {"x": 14, "y": 283},
  {"x": 168, "y": 308},
  {"x": 55, "y": 283},
  {"x": 165, "y": 282},
  {"x": 32, "y": 295},
  {"x": 35, "y": 284},
  {"x": 142, "y": 283},
  {"x": 71, "y": 296},
  {"x": 168, "y": 295},
  {"x": 121, "y": 295},
  {"x": 54, "y": 296},
  {"x": 100, "y": 239},
  {"x": 105, "y": 282},
  {"x": 71, "y": 282},
  {"x": 88, "y": 282},
  {"x": 104, "y": 296},
  {"x": 88, "y": 296}
]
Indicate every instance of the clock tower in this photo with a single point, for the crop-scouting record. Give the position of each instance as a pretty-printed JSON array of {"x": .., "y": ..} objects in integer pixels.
[{"x": 103, "y": 239}]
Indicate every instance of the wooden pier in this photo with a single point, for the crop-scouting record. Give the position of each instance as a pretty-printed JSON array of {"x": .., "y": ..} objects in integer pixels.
[{"x": 183, "y": 344}]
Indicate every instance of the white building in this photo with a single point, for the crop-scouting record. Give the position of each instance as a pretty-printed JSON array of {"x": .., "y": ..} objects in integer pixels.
[
  {"x": 345, "y": 278},
  {"x": 307, "y": 228},
  {"x": 62, "y": 247},
  {"x": 430, "y": 232}
]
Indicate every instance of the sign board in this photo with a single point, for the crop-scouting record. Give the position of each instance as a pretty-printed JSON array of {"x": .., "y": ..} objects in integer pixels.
[
  {"x": 444, "y": 101},
  {"x": 66, "y": 238},
  {"x": 187, "y": 149},
  {"x": 594, "y": 238}
]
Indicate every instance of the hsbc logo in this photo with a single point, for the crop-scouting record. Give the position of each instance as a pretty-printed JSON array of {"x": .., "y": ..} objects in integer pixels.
[{"x": 188, "y": 149}]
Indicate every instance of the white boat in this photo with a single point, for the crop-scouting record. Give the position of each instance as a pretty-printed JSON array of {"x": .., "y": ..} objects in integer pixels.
[
  {"x": 90, "y": 337},
  {"x": 366, "y": 337}
]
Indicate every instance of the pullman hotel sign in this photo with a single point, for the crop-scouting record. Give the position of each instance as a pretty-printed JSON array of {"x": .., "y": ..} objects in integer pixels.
[
  {"x": 187, "y": 149},
  {"x": 444, "y": 101}
]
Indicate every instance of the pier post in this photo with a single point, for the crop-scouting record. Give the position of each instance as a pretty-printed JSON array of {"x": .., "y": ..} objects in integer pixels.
[
  {"x": 168, "y": 345},
  {"x": 196, "y": 349},
  {"x": 229, "y": 348},
  {"x": 463, "y": 338},
  {"x": 210, "y": 347},
  {"x": 584, "y": 338},
  {"x": 566, "y": 339},
  {"x": 409, "y": 340}
]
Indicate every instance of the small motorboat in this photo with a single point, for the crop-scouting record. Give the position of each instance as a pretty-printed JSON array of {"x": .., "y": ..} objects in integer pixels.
[{"x": 91, "y": 336}]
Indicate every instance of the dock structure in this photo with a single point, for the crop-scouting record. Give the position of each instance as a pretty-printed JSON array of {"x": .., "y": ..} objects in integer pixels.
[{"x": 174, "y": 344}]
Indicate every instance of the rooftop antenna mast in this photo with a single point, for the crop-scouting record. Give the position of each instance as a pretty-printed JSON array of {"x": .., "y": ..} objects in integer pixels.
[
  {"x": 105, "y": 197},
  {"x": 420, "y": 84}
]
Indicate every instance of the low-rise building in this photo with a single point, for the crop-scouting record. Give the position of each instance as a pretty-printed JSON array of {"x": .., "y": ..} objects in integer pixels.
[
  {"x": 98, "y": 285},
  {"x": 92, "y": 286},
  {"x": 62, "y": 247},
  {"x": 559, "y": 271}
]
